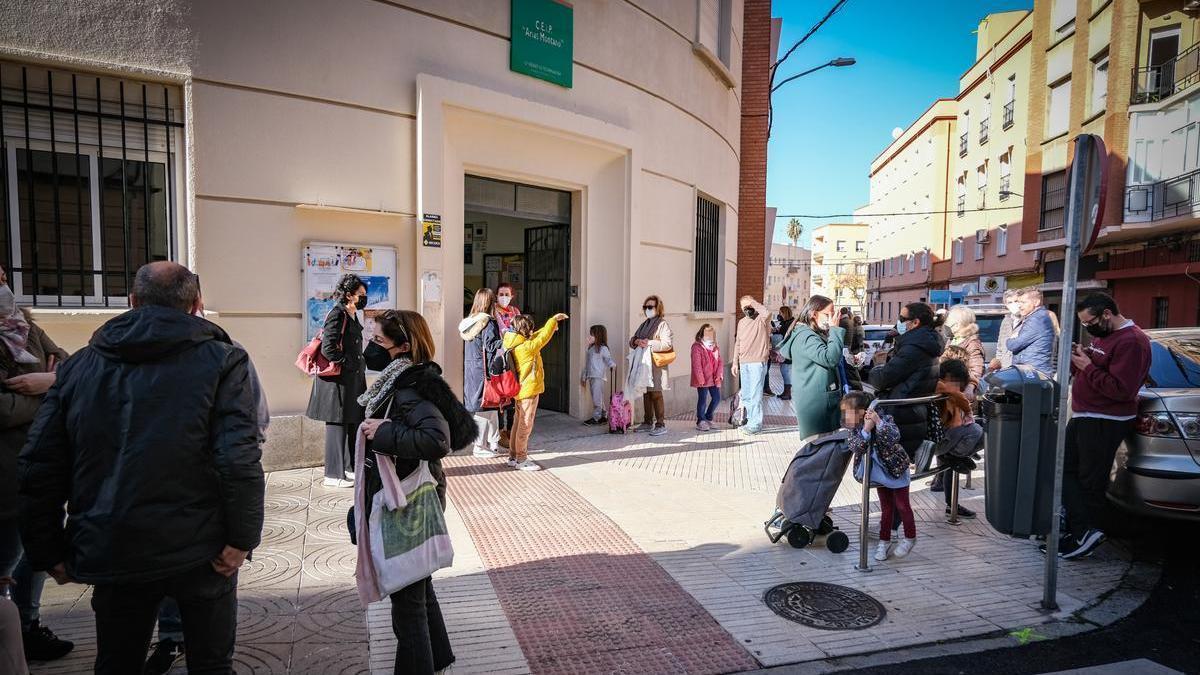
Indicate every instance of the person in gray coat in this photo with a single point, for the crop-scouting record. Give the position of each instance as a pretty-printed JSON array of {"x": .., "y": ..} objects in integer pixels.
[{"x": 1003, "y": 358}]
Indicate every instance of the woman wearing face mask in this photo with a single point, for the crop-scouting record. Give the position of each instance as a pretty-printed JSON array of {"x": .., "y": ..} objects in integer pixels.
[
  {"x": 334, "y": 399},
  {"x": 815, "y": 349},
  {"x": 654, "y": 334},
  {"x": 964, "y": 332},
  {"x": 412, "y": 415},
  {"x": 911, "y": 371},
  {"x": 505, "y": 311},
  {"x": 1003, "y": 358}
]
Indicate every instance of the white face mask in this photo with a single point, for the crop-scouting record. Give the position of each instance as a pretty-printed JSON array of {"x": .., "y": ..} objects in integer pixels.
[
  {"x": 1014, "y": 308},
  {"x": 504, "y": 301},
  {"x": 650, "y": 314},
  {"x": 708, "y": 343}
]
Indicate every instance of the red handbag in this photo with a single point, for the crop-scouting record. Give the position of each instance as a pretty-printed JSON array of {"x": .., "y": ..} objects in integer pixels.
[
  {"x": 498, "y": 390},
  {"x": 312, "y": 362}
]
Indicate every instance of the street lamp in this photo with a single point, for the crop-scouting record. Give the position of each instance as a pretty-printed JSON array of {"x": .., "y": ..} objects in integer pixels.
[
  {"x": 1004, "y": 194},
  {"x": 839, "y": 62}
]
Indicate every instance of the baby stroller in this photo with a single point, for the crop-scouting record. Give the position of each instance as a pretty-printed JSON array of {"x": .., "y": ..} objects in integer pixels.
[{"x": 809, "y": 485}]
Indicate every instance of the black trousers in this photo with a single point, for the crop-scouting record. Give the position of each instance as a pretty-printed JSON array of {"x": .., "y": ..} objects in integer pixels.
[
  {"x": 1087, "y": 465},
  {"x": 126, "y": 614},
  {"x": 422, "y": 644}
]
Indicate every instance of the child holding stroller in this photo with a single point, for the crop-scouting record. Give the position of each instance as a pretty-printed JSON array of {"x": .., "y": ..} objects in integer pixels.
[
  {"x": 526, "y": 346},
  {"x": 707, "y": 375},
  {"x": 597, "y": 362},
  {"x": 878, "y": 434}
]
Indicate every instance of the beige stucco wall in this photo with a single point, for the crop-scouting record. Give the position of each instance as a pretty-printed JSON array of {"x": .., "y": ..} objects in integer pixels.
[
  {"x": 825, "y": 280},
  {"x": 292, "y": 102}
]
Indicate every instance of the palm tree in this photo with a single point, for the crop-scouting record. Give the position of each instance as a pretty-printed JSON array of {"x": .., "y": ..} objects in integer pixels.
[{"x": 794, "y": 230}]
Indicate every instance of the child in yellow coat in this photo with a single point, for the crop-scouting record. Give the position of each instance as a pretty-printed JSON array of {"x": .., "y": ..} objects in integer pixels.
[{"x": 526, "y": 346}]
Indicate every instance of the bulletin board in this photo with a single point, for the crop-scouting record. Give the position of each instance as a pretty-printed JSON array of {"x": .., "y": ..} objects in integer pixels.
[
  {"x": 324, "y": 263},
  {"x": 501, "y": 267}
]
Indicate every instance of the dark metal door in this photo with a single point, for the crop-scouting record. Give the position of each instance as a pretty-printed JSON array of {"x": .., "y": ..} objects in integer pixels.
[{"x": 547, "y": 292}]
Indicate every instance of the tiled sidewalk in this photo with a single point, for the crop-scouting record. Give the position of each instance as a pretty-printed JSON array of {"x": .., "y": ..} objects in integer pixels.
[{"x": 551, "y": 569}]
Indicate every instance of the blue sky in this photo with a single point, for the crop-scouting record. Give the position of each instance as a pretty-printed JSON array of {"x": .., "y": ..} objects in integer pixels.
[{"x": 831, "y": 124}]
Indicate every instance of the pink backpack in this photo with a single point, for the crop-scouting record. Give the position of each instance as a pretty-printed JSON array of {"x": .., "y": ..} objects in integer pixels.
[{"x": 620, "y": 413}]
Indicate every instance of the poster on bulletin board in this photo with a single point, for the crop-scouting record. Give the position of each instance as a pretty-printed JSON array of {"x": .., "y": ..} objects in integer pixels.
[{"x": 325, "y": 263}]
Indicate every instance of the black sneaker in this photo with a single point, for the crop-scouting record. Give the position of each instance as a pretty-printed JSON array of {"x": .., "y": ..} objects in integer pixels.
[
  {"x": 41, "y": 644},
  {"x": 1065, "y": 543},
  {"x": 591, "y": 422},
  {"x": 963, "y": 512},
  {"x": 1092, "y": 539},
  {"x": 164, "y": 657}
]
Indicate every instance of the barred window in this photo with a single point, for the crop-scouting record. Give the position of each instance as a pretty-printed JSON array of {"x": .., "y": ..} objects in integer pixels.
[
  {"x": 1054, "y": 200},
  {"x": 708, "y": 251},
  {"x": 87, "y": 181}
]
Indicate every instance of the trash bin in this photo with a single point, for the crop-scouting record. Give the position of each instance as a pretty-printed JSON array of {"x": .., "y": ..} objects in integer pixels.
[{"x": 1019, "y": 406}]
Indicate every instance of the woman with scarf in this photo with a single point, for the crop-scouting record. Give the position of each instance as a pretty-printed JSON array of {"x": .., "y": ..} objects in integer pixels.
[
  {"x": 412, "y": 415},
  {"x": 654, "y": 335},
  {"x": 964, "y": 332}
]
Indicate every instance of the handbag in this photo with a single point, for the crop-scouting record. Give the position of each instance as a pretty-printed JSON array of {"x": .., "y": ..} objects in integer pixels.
[
  {"x": 312, "y": 362},
  {"x": 498, "y": 390},
  {"x": 408, "y": 542},
  {"x": 663, "y": 359}
]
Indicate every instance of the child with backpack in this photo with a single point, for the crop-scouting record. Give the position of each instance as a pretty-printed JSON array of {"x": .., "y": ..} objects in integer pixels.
[
  {"x": 878, "y": 434},
  {"x": 707, "y": 375},
  {"x": 597, "y": 361},
  {"x": 526, "y": 346}
]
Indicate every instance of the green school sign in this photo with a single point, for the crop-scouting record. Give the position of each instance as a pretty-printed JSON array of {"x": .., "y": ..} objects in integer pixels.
[{"x": 543, "y": 40}]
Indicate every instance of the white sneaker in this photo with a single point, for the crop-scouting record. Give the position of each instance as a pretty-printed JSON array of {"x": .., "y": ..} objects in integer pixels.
[
  {"x": 700, "y": 425},
  {"x": 705, "y": 426},
  {"x": 349, "y": 475},
  {"x": 528, "y": 465},
  {"x": 881, "y": 551},
  {"x": 512, "y": 463},
  {"x": 485, "y": 453},
  {"x": 338, "y": 482},
  {"x": 658, "y": 430},
  {"x": 905, "y": 545}
]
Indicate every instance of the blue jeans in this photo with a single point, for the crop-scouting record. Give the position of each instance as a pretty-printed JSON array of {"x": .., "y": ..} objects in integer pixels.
[
  {"x": 786, "y": 369},
  {"x": 27, "y": 592},
  {"x": 707, "y": 400},
  {"x": 752, "y": 376}
]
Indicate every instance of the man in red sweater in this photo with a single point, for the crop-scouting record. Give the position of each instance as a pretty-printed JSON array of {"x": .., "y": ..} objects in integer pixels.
[{"x": 1107, "y": 375}]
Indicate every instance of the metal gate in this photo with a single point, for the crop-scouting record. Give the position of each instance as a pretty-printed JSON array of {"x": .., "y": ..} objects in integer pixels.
[{"x": 547, "y": 292}]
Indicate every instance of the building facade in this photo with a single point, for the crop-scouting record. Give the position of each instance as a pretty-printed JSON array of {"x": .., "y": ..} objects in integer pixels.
[
  {"x": 839, "y": 264},
  {"x": 788, "y": 277},
  {"x": 911, "y": 176},
  {"x": 240, "y": 139}
]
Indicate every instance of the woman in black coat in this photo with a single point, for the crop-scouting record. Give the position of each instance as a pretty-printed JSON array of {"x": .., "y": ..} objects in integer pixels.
[
  {"x": 412, "y": 416},
  {"x": 911, "y": 372},
  {"x": 334, "y": 400}
]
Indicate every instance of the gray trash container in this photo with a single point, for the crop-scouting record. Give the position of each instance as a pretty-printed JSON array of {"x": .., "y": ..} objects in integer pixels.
[{"x": 1019, "y": 408}]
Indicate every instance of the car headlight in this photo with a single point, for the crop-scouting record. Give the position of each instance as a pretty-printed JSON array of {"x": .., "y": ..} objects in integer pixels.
[
  {"x": 1189, "y": 425},
  {"x": 1157, "y": 424}
]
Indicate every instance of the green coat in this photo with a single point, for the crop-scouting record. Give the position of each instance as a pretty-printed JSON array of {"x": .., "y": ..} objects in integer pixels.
[{"x": 816, "y": 395}]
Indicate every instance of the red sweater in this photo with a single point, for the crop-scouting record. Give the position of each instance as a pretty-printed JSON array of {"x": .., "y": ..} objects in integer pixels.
[{"x": 1109, "y": 385}]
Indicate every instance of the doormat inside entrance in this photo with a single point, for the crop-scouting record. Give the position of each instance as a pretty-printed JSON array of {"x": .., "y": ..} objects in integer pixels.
[{"x": 824, "y": 606}]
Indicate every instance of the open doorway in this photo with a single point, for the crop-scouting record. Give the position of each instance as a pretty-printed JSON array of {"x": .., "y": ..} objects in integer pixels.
[{"x": 521, "y": 234}]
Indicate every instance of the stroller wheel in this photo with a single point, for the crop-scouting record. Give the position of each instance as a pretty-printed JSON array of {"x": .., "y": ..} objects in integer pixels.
[
  {"x": 826, "y": 525},
  {"x": 799, "y": 536},
  {"x": 837, "y": 541}
]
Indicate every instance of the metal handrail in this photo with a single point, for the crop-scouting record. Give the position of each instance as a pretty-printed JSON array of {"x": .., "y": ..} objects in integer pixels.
[
  {"x": 865, "y": 522},
  {"x": 1156, "y": 83}
]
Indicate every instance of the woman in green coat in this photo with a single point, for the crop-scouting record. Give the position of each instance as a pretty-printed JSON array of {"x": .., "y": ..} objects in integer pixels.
[{"x": 815, "y": 349}]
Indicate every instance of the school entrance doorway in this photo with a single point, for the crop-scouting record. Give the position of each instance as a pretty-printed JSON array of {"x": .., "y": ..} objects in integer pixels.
[{"x": 521, "y": 234}]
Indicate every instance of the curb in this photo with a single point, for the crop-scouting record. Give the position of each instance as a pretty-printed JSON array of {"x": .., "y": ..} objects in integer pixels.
[{"x": 1135, "y": 588}]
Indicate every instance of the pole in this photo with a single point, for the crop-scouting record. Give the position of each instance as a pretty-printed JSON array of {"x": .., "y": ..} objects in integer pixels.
[{"x": 1074, "y": 226}]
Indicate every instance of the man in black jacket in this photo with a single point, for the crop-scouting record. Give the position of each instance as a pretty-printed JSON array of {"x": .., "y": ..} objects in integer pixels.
[{"x": 149, "y": 438}]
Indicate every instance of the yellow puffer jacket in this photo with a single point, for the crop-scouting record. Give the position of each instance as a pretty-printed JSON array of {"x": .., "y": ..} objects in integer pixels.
[{"x": 527, "y": 352}]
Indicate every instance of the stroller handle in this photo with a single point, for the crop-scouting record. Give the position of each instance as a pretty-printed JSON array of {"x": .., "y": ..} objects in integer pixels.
[{"x": 905, "y": 401}]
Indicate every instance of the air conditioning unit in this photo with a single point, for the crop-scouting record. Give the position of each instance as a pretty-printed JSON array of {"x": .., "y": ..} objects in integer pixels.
[
  {"x": 991, "y": 284},
  {"x": 982, "y": 236}
]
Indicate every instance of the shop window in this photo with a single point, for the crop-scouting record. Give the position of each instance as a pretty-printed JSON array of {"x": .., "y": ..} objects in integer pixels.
[
  {"x": 1162, "y": 312},
  {"x": 706, "y": 288},
  {"x": 89, "y": 190}
]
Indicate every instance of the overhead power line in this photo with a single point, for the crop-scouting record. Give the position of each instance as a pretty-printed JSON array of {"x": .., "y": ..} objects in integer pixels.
[{"x": 905, "y": 213}]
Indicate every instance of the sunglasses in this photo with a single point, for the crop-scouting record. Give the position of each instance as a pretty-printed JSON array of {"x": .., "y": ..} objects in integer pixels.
[{"x": 649, "y": 306}]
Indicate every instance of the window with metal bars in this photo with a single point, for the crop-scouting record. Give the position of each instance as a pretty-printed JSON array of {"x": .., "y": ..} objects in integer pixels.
[
  {"x": 708, "y": 250},
  {"x": 88, "y": 172},
  {"x": 1162, "y": 312}
]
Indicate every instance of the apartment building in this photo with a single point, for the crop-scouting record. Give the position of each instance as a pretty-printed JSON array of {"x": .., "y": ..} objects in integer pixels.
[
  {"x": 788, "y": 276},
  {"x": 984, "y": 233},
  {"x": 839, "y": 264},
  {"x": 911, "y": 176},
  {"x": 1083, "y": 56},
  {"x": 1155, "y": 248}
]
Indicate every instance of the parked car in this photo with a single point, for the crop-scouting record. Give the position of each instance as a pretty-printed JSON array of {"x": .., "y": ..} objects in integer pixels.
[
  {"x": 875, "y": 346},
  {"x": 989, "y": 318},
  {"x": 1157, "y": 469}
]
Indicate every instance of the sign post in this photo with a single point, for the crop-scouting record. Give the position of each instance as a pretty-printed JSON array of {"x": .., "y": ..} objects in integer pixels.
[{"x": 1085, "y": 211}]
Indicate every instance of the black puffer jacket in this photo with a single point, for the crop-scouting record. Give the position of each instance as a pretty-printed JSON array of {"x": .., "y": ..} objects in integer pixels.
[
  {"x": 426, "y": 422},
  {"x": 910, "y": 372},
  {"x": 150, "y": 438}
]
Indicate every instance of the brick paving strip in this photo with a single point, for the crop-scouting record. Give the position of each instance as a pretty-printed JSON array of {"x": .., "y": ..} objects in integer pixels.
[{"x": 580, "y": 596}]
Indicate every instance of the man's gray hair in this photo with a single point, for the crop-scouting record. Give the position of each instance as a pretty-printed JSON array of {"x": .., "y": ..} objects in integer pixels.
[
  {"x": 166, "y": 284},
  {"x": 1031, "y": 292},
  {"x": 1011, "y": 294}
]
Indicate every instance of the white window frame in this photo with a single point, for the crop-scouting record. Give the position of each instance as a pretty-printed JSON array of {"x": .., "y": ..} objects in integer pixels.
[
  {"x": 1098, "y": 101},
  {"x": 1002, "y": 241},
  {"x": 1058, "y": 119},
  {"x": 925, "y": 259},
  {"x": 958, "y": 251},
  {"x": 912, "y": 262},
  {"x": 978, "y": 246},
  {"x": 723, "y": 30},
  {"x": 840, "y": 246},
  {"x": 860, "y": 246}
]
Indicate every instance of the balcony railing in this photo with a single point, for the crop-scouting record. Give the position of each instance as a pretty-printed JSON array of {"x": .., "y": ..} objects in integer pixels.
[
  {"x": 1005, "y": 184},
  {"x": 962, "y": 145},
  {"x": 1164, "y": 199},
  {"x": 1160, "y": 82},
  {"x": 1154, "y": 256},
  {"x": 983, "y": 130},
  {"x": 962, "y": 205},
  {"x": 1008, "y": 113}
]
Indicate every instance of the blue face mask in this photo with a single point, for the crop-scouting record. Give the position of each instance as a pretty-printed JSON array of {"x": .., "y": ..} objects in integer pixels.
[{"x": 901, "y": 327}]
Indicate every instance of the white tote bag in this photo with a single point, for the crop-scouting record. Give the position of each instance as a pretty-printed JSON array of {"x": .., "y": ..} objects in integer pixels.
[{"x": 409, "y": 542}]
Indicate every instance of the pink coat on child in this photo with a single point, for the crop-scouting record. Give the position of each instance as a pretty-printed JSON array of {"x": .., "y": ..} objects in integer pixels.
[{"x": 708, "y": 370}]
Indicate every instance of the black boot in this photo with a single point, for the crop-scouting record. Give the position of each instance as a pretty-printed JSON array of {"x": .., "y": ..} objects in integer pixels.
[
  {"x": 41, "y": 644},
  {"x": 787, "y": 393}
]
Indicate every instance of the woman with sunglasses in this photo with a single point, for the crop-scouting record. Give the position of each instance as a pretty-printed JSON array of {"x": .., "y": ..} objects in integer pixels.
[{"x": 654, "y": 334}]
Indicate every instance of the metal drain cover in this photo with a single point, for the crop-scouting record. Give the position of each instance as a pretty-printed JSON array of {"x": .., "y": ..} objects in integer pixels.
[{"x": 824, "y": 606}]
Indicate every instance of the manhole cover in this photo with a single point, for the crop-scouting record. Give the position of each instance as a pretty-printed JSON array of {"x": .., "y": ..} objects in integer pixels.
[{"x": 824, "y": 606}]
